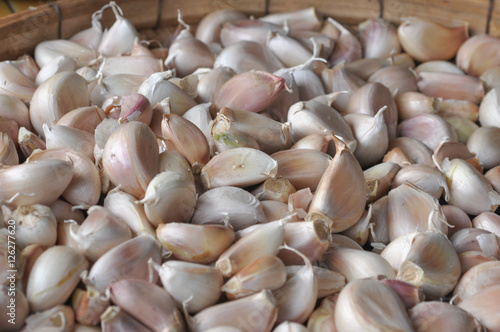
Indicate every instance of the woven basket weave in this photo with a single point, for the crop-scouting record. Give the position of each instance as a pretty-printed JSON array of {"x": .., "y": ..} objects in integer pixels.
[{"x": 20, "y": 32}]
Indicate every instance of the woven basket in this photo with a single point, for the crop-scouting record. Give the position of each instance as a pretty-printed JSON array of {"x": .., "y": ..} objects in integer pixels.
[{"x": 20, "y": 32}]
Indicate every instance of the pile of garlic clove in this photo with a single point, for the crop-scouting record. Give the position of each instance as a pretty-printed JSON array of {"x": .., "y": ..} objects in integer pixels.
[{"x": 273, "y": 174}]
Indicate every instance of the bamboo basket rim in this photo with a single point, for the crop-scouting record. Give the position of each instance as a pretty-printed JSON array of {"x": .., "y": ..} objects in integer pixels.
[{"x": 20, "y": 32}]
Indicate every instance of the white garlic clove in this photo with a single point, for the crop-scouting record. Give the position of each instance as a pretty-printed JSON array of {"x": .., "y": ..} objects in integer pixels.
[
  {"x": 84, "y": 118},
  {"x": 14, "y": 109},
  {"x": 128, "y": 260},
  {"x": 47, "y": 50},
  {"x": 57, "y": 96},
  {"x": 148, "y": 303},
  {"x": 248, "y": 30},
  {"x": 354, "y": 308},
  {"x": 347, "y": 46},
  {"x": 476, "y": 279},
  {"x": 379, "y": 38},
  {"x": 116, "y": 319},
  {"x": 340, "y": 208},
  {"x": 482, "y": 306},
  {"x": 57, "y": 319},
  {"x": 469, "y": 189},
  {"x": 322, "y": 319},
  {"x": 209, "y": 27},
  {"x": 34, "y": 224},
  {"x": 169, "y": 197},
  {"x": 130, "y": 157},
  {"x": 54, "y": 276},
  {"x": 427, "y": 178},
  {"x": 451, "y": 86},
  {"x": 478, "y": 53},
  {"x": 56, "y": 65},
  {"x": 425, "y": 40},
  {"x": 437, "y": 315},
  {"x": 483, "y": 142}
]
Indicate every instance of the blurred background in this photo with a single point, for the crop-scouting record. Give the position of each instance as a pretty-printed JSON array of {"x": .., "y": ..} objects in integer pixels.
[{"x": 12, "y": 6}]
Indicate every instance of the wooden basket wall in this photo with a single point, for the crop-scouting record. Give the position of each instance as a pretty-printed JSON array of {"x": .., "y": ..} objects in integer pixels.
[{"x": 20, "y": 32}]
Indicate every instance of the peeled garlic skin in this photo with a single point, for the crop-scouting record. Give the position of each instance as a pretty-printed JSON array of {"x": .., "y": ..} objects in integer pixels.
[
  {"x": 369, "y": 305},
  {"x": 54, "y": 276},
  {"x": 130, "y": 157}
]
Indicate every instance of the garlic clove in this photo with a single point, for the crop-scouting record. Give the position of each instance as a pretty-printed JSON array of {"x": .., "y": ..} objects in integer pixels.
[
  {"x": 478, "y": 53},
  {"x": 298, "y": 20},
  {"x": 157, "y": 87},
  {"x": 119, "y": 39},
  {"x": 416, "y": 151},
  {"x": 116, "y": 319},
  {"x": 59, "y": 318},
  {"x": 379, "y": 38},
  {"x": 457, "y": 218},
  {"x": 57, "y": 96},
  {"x": 270, "y": 135},
  {"x": 355, "y": 308},
  {"x": 235, "y": 314},
  {"x": 14, "y": 109},
  {"x": 183, "y": 136},
  {"x": 314, "y": 141},
  {"x": 410, "y": 294},
  {"x": 311, "y": 238},
  {"x": 356, "y": 264},
  {"x": 89, "y": 304},
  {"x": 425, "y": 40},
  {"x": 290, "y": 327},
  {"x": 309, "y": 85},
  {"x": 128, "y": 260},
  {"x": 211, "y": 82},
  {"x": 469, "y": 259},
  {"x": 364, "y": 68},
  {"x": 8, "y": 152},
  {"x": 306, "y": 37},
  {"x": 240, "y": 167},
  {"x": 100, "y": 232},
  {"x": 371, "y": 135},
  {"x": 490, "y": 77},
  {"x": 248, "y": 30},
  {"x": 469, "y": 189},
  {"x": 266, "y": 272},
  {"x": 483, "y": 143},
  {"x": 251, "y": 91},
  {"x": 379, "y": 179},
  {"x": 47, "y": 50},
  {"x": 476, "y": 279},
  {"x": 462, "y": 108},
  {"x": 481, "y": 305},
  {"x": 297, "y": 297},
  {"x": 201, "y": 118},
  {"x": 488, "y": 221},
  {"x": 372, "y": 97},
  {"x": 209, "y": 28},
  {"x": 397, "y": 250},
  {"x": 323, "y": 318},
  {"x": 235, "y": 206},
  {"x": 476, "y": 239},
  {"x": 56, "y": 65},
  {"x": 64, "y": 137},
  {"x": 427, "y": 178},
  {"x": 83, "y": 118},
  {"x": 339, "y": 208},
  {"x": 379, "y": 232},
  {"x": 124, "y": 206},
  {"x": 34, "y": 224},
  {"x": 347, "y": 46},
  {"x": 247, "y": 55},
  {"x": 40, "y": 182},
  {"x": 411, "y": 103},
  {"x": 278, "y": 189},
  {"x": 264, "y": 240},
  {"x": 463, "y": 127},
  {"x": 27, "y": 65},
  {"x": 195, "y": 243},
  {"x": 438, "y": 66},
  {"x": 274, "y": 210},
  {"x": 451, "y": 86},
  {"x": 435, "y": 315},
  {"x": 313, "y": 117},
  {"x": 54, "y": 276},
  {"x": 360, "y": 230},
  {"x": 169, "y": 197},
  {"x": 429, "y": 129},
  {"x": 405, "y": 217},
  {"x": 130, "y": 157},
  {"x": 148, "y": 303},
  {"x": 489, "y": 109},
  {"x": 397, "y": 79},
  {"x": 339, "y": 79},
  {"x": 452, "y": 150},
  {"x": 288, "y": 50},
  {"x": 64, "y": 211},
  {"x": 437, "y": 275}
]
